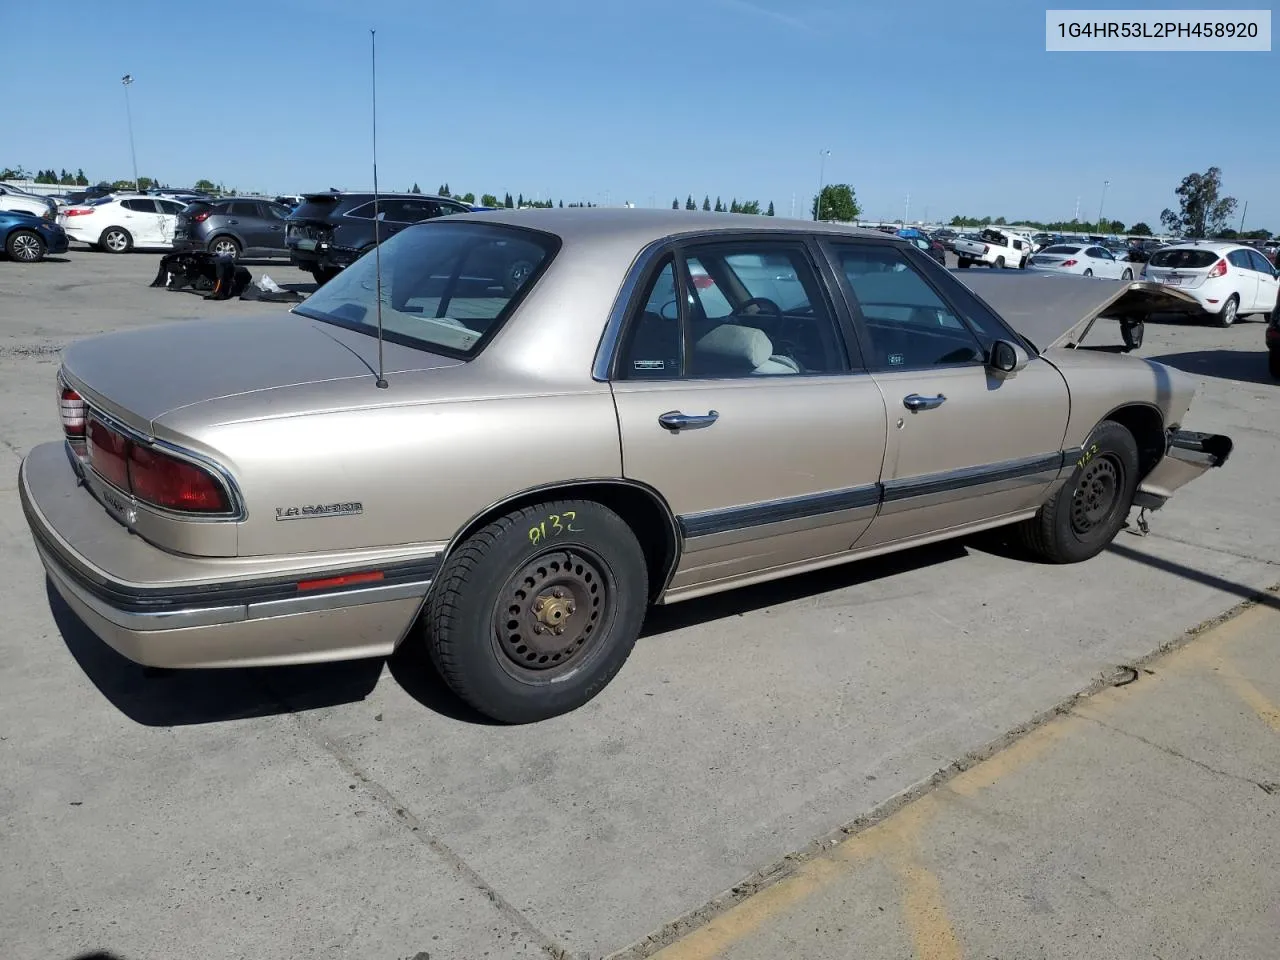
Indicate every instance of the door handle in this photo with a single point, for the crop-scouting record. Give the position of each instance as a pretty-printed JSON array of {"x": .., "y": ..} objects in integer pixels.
[
  {"x": 675, "y": 420},
  {"x": 916, "y": 402},
  {"x": 233, "y": 221}
]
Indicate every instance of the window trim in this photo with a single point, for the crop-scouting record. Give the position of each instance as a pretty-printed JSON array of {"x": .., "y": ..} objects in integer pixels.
[
  {"x": 923, "y": 265},
  {"x": 648, "y": 265}
]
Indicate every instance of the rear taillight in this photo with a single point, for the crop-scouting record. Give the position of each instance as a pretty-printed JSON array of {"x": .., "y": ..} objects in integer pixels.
[
  {"x": 1069, "y": 263},
  {"x": 202, "y": 216},
  {"x": 702, "y": 282},
  {"x": 985, "y": 249},
  {"x": 71, "y": 409},
  {"x": 151, "y": 475},
  {"x": 174, "y": 484},
  {"x": 1219, "y": 269},
  {"x": 77, "y": 211}
]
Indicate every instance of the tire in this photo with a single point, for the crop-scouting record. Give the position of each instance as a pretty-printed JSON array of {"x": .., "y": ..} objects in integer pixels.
[
  {"x": 1273, "y": 363},
  {"x": 225, "y": 246},
  {"x": 490, "y": 627},
  {"x": 116, "y": 240},
  {"x": 323, "y": 275},
  {"x": 1126, "y": 276},
  {"x": 1085, "y": 515},
  {"x": 25, "y": 246},
  {"x": 999, "y": 264},
  {"x": 1227, "y": 315},
  {"x": 1022, "y": 264},
  {"x": 965, "y": 263},
  {"x": 1088, "y": 272}
]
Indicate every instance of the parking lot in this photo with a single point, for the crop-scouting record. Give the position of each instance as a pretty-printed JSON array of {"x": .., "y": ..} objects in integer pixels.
[{"x": 359, "y": 810}]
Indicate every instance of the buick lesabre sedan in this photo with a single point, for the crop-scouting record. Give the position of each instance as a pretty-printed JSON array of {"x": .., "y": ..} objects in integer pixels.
[{"x": 665, "y": 405}]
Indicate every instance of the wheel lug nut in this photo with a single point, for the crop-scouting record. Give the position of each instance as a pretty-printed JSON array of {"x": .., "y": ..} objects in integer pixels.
[
  {"x": 539, "y": 605},
  {"x": 559, "y": 630},
  {"x": 537, "y": 629},
  {"x": 557, "y": 593}
]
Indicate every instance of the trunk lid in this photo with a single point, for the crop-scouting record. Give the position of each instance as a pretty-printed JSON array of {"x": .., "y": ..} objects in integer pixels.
[
  {"x": 137, "y": 376},
  {"x": 1057, "y": 310}
]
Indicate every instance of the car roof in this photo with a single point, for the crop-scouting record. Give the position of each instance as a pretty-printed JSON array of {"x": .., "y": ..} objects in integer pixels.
[
  {"x": 1213, "y": 245},
  {"x": 641, "y": 226}
]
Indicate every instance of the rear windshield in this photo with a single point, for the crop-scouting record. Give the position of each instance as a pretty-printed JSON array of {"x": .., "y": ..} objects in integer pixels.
[
  {"x": 1060, "y": 248},
  {"x": 446, "y": 286},
  {"x": 1184, "y": 259},
  {"x": 317, "y": 208},
  {"x": 196, "y": 206}
]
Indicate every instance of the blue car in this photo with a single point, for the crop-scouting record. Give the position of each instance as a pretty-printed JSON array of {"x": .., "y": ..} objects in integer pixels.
[{"x": 27, "y": 238}]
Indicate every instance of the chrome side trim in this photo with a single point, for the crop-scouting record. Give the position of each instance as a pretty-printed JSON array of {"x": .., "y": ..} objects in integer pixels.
[
  {"x": 1024, "y": 470},
  {"x": 709, "y": 522}
]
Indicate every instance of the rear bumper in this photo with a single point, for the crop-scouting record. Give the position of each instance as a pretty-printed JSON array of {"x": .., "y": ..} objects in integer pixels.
[
  {"x": 1188, "y": 456},
  {"x": 166, "y": 610}
]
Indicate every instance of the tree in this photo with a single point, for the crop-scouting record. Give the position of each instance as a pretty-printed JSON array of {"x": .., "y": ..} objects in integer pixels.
[
  {"x": 415, "y": 188},
  {"x": 81, "y": 179},
  {"x": 706, "y": 202},
  {"x": 1257, "y": 235},
  {"x": 749, "y": 206},
  {"x": 1227, "y": 234},
  {"x": 562, "y": 204},
  {"x": 468, "y": 197},
  {"x": 1203, "y": 211},
  {"x": 1140, "y": 229},
  {"x": 719, "y": 206},
  {"x": 443, "y": 191},
  {"x": 675, "y": 204},
  {"x": 205, "y": 186},
  {"x": 146, "y": 183},
  {"x": 838, "y": 202},
  {"x": 507, "y": 202},
  {"x": 520, "y": 200},
  {"x": 769, "y": 212},
  {"x": 14, "y": 173},
  {"x": 689, "y": 204},
  {"x": 1115, "y": 226},
  {"x": 488, "y": 200},
  {"x": 999, "y": 221}
]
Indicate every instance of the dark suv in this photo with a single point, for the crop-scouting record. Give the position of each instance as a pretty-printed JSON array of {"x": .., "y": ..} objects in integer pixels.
[
  {"x": 330, "y": 231},
  {"x": 233, "y": 227}
]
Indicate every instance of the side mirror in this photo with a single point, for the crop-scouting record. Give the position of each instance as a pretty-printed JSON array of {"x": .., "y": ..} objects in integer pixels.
[{"x": 1006, "y": 358}]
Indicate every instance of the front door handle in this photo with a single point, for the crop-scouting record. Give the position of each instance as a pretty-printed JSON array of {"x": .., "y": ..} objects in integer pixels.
[
  {"x": 675, "y": 420},
  {"x": 917, "y": 402}
]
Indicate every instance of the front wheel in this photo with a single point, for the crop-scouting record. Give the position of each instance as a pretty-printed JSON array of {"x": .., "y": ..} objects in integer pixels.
[
  {"x": 999, "y": 264},
  {"x": 1227, "y": 315},
  {"x": 534, "y": 614},
  {"x": 116, "y": 240},
  {"x": 1085, "y": 515},
  {"x": 25, "y": 246}
]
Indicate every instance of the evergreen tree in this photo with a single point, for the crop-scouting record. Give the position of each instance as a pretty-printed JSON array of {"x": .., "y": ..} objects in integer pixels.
[
  {"x": 733, "y": 206},
  {"x": 675, "y": 204},
  {"x": 706, "y": 203},
  {"x": 689, "y": 204},
  {"x": 769, "y": 212},
  {"x": 719, "y": 206},
  {"x": 520, "y": 200},
  {"x": 561, "y": 203},
  {"x": 507, "y": 202},
  {"x": 415, "y": 188}
]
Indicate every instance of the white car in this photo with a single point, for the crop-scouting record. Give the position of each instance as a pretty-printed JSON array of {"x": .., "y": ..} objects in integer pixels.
[
  {"x": 1228, "y": 279},
  {"x": 1083, "y": 259},
  {"x": 11, "y": 198},
  {"x": 122, "y": 222}
]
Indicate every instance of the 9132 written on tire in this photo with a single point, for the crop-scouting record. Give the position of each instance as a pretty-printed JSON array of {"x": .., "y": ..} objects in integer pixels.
[{"x": 535, "y": 613}]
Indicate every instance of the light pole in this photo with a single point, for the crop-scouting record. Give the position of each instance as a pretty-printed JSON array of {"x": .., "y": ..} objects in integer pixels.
[
  {"x": 1105, "y": 184},
  {"x": 822, "y": 172},
  {"x": 127, "y": 79},
  {"x": 906, "y": 210}
]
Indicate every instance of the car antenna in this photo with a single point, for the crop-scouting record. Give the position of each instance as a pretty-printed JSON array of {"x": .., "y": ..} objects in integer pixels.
[{"x": 381, "y": 382}]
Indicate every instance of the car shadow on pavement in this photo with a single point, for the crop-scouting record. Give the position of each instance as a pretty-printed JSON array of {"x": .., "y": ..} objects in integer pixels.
[
  {"x": 745, "y": 600},
  {"x": 1246, "y": 366},
  {"x": 170, "y": 698}
]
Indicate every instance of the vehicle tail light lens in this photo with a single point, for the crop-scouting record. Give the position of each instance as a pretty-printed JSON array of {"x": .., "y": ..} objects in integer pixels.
[
  {"x": 77, "y": 211},
  {"x": 151, "y": 475},
  {"x": 1219, "y": 269},
  {"x": 702, "y": 281},
  {"x": 1069, "y": 263},
  {"x": 174, "y": 484},
  {"x": 202, "y": 216},
  {"x": 72, "y": 410},
  {"x": 108, "y": 452},
  {"x": 985, "y": 249}
]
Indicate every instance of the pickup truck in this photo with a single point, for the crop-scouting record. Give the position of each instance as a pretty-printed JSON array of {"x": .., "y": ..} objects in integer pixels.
[{"x": 995, "y": 248}]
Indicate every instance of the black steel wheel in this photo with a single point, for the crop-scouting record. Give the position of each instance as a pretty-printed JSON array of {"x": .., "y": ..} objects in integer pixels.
[
  {"x": 1089, "y": 509},
  {"x": 533, "y": 614}
]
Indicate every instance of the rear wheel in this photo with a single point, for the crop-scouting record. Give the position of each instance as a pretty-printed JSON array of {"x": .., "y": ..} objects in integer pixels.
[
  {"x": 323, "y": 275},
  {"x": 225, "y": 247},
  {"x": 999, "y": 264},
  {"x": 1085, "y": 515},
  {"x": 535, "y": 613},
  {"x": 1022, "y": 264},
  {"x": 116, "y": 240},
  {"x": 1088, "y": 272},
  {"x": 964, "y": 263},
  {"x": 25, "y": 246},
  {"x": 1273, "y": 363},
  {"x": 1127, "y": 275},
  {"x": 1227, "y": 315}
]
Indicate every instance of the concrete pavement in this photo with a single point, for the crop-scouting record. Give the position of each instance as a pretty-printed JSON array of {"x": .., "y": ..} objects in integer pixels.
[{"x": 376, "y": 817}]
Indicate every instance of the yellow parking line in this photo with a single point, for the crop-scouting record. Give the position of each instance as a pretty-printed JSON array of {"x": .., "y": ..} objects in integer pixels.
[
  {"x": 924, "y": 909},
  {"x": 1254, "y": 698}
]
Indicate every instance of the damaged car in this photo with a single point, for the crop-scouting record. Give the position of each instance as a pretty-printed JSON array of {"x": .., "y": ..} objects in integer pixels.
[{"x": 510, "y": 472}]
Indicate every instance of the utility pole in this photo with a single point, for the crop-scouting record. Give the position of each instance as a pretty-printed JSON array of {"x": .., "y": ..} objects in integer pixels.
[
  {"x": 1242, "y": 213},
  {"x": 1105, "y": 184},
  {"x": 1075, "y": 217},
  {"x": 793, "y": 204},
  {"x": 127, "y": 80},
  {"x": 822, "y": 172},
  {"x": 906, "y": 210}
]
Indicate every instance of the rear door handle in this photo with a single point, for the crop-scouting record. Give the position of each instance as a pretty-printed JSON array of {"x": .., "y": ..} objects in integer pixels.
[
  {"x": 675, "y": 420},
  {"x": 916, "y": 402}
]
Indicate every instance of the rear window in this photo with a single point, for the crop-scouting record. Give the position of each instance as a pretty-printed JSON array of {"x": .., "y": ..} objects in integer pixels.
[
  {"x": 317, "y": 208},
  {"x": 199, "y": 206},
  {"x": 1185, "y": 259},
  {"x": 446, "y": 286},
  {"x": 1060, "y": 248}
]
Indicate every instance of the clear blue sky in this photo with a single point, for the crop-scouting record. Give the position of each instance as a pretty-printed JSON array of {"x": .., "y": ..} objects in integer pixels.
[{"x": 577, "y": 98}]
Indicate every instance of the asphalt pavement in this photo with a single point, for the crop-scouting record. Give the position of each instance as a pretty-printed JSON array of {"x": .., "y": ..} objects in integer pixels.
[{"x": 358, "y": 810}]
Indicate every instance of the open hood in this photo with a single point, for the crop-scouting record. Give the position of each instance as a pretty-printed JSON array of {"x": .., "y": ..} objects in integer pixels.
[{"x": 1058, "y": 311}]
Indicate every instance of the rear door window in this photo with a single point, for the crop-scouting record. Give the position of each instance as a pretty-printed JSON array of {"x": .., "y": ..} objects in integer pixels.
[
  {"x": 243, "y": 208},
  {"x": 1260, "y": 263},
  {"x": 140, "y": 205}
]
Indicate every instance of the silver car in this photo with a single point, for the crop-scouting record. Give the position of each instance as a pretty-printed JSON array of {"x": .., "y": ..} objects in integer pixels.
[{"x": 661, "y": 406}]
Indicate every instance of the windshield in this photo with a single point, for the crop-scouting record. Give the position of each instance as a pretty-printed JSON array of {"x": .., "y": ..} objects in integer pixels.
[
  {"x": 444, "y": 285},
  {"x": 1185, "y": 259}
]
